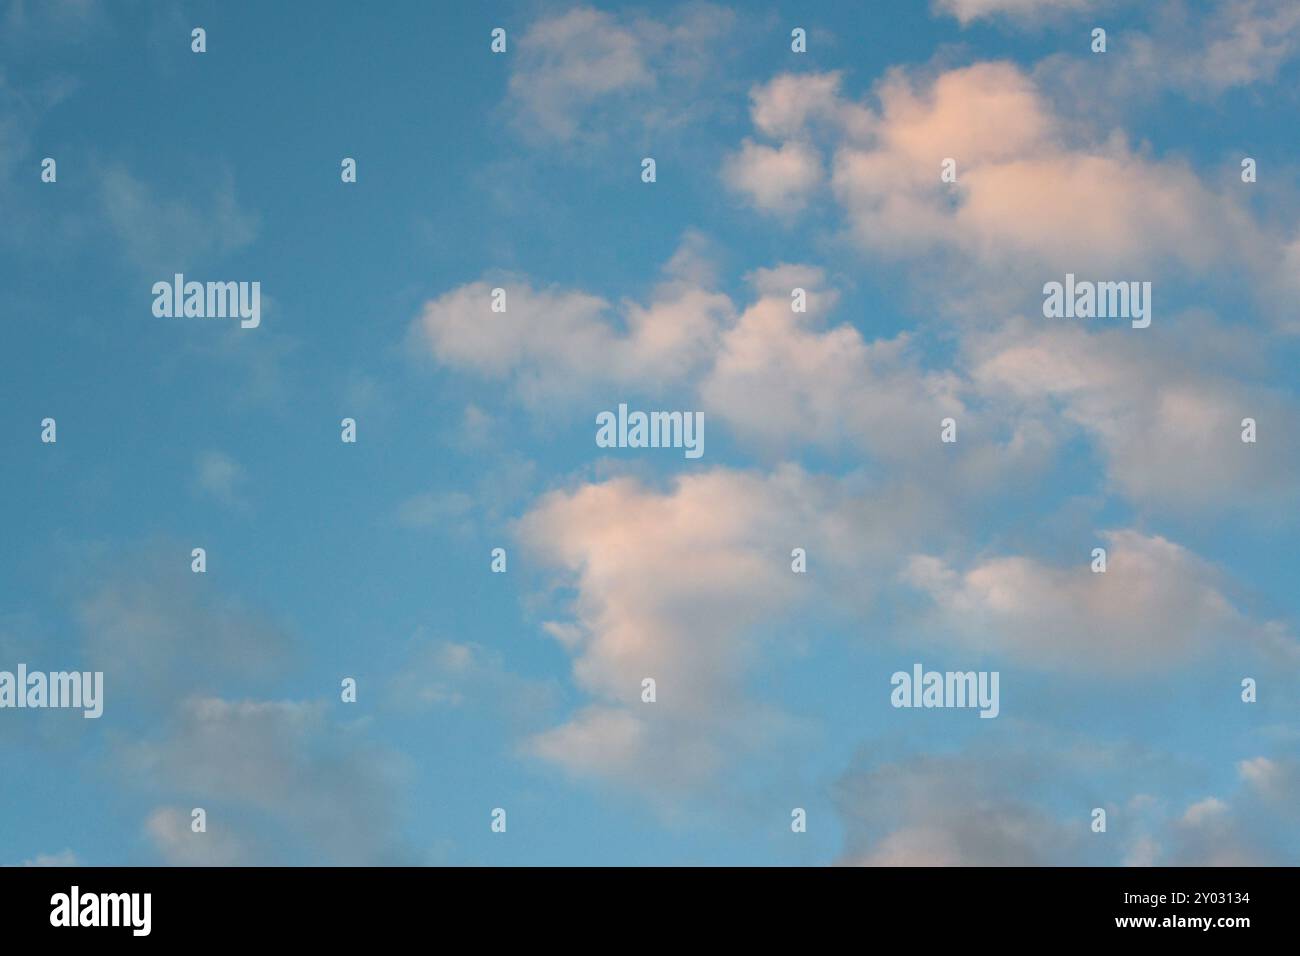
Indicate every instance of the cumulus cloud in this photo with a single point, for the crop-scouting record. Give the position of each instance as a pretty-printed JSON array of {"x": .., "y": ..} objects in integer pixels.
[
  {"x": 784, "y": 379},
  {"x": 572, "y": 60},
  {"x": 1021, "y": 193},
  {"x": 1157, "y": 606},
  {"x": 676, "y": 607},
  {"x": 776, "y": 179},
  {"x": 1037, "y": 194},
  {"x": 678, "y": 586},
  {"x": 553, "y": 344},
  {"x": 1167, "y": 419},
  {"x": 781, "y": 380},
  {"x": 793, "y": 104},
  {"x": 1164, "y": 406}
]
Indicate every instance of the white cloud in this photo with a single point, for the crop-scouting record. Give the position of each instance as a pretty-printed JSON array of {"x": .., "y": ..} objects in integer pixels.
[
  {"x": 578, "y": 77},
  {"x": 1205, "y": 811},
  {"x": 775, "y": 179},
  {"x": 1037, "y": 194},
  {"x": 1248, "y": 41},
  {"x": 682, "y": 586},
  {"x": 555, "y": 345},
  {"x": 1022, "y": 194},
  {"x": 791, "y": 104},
  {"x": 572, "y": 60},
  {"x": 1156, "y": 607},
  {"x": 1164, "y": 406},
  {"x": 169, "y": 830},
  {"x": 1163, "y": 409},
  {"x": 780, "y": 380},
  {"x": 1197, "y": 53},
  {"x": 1212, "y": 833},
  {"x": 1275, "y": 781}
]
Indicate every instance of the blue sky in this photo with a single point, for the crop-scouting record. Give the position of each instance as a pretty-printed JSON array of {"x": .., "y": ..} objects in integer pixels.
[{"x": 775, "y": 170}]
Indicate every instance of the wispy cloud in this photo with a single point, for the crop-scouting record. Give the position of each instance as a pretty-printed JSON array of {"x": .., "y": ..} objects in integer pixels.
[
  {"x": 161, "y": 235},
  {"x": 261, "y": 768},
  {"x": 219, "y": 476},
  {"x": 580, "y": 76}
]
